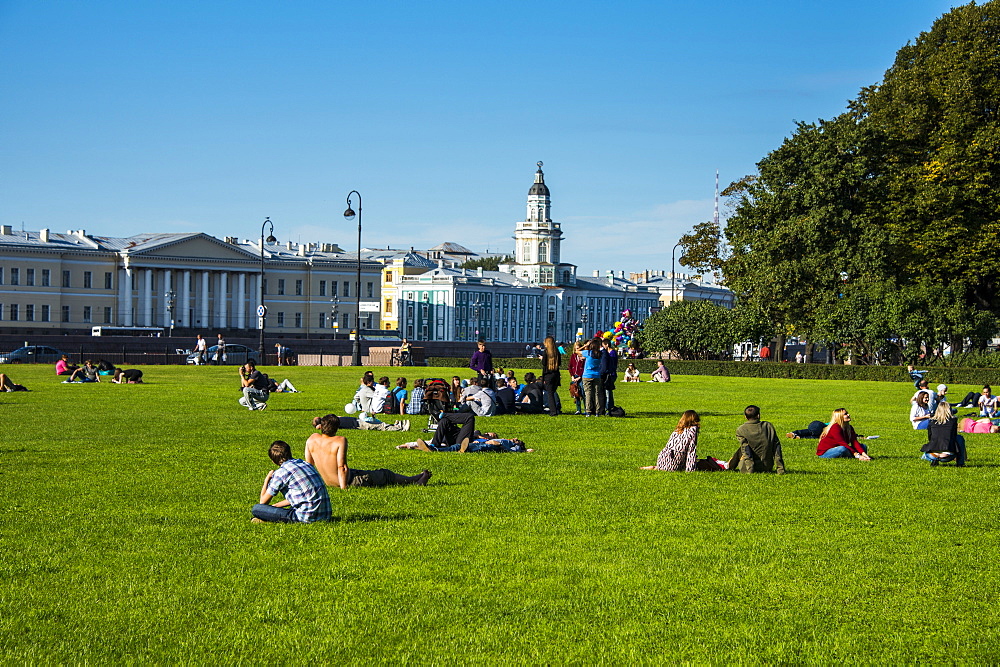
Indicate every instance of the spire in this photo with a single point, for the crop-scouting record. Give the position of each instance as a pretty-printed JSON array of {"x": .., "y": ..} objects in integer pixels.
[{"x": 539, "y": 188}]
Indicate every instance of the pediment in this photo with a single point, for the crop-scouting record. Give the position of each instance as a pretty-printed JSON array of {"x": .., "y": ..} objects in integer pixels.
[{"x": 201, "y": 246}]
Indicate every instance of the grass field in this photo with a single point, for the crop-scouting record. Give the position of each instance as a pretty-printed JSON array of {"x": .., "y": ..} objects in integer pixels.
[{"x": 126, "y": 535}]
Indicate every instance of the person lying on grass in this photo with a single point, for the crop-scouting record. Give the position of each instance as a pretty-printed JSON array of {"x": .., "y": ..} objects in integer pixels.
[
  {"x": 489, "y": 442},
  {"x": 979, "y": 426},
  {"x": 944, "y": 444},
  {"x": 130, "y": 376},
  {"x": 839, "y": 439},
  {"x": 328, "y": 452},
  {"x": 305, "y": 496},
  {"x": 811, "y": 432},
  {"x": 6, "y": 384},
  {"x": 681, "y": 452}
]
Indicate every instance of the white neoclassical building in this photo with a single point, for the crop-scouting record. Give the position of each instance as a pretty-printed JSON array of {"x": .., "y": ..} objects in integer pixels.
[
  {"x": 536, "y": 296},
  {"x": 70, "y": 282}
]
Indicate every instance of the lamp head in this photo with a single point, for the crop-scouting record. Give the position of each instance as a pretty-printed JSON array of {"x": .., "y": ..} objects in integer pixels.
[
  {"x": 349, "y": 214},
  {"x": 271, "y": 239}
]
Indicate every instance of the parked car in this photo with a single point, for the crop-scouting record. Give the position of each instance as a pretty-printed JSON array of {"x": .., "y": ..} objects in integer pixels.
[
  {"x": 32, "y": 354},
  {"x": 235, "y": 354}
]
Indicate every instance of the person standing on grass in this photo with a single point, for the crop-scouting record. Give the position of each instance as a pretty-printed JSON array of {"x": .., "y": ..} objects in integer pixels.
[
  {"x": 220, "y": 351},
  {"x": 201, "y": 347},
  {"x": 306, "y": 498},
  {"x": 593, "y": 392},
  {"x": 327, "y": 451},
  {"x": 551, "y": 375},
  {"x": 840, "y": 440},
  {"x": 482, "y": 360},
  {"x": 760, "y": 447}
]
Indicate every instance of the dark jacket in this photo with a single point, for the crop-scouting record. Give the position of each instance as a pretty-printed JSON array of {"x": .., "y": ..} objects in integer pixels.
[
  {"x": 942, "y": 437},
  {"x": 551, "y": 379},
  {"x": 505, "y": 401},
  {"x": 482, "y": 361},
  {"x": 760, "y": 448}
]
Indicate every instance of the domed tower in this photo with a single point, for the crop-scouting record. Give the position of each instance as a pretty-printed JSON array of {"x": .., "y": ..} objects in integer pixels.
[{"x": 537, "y": 239}]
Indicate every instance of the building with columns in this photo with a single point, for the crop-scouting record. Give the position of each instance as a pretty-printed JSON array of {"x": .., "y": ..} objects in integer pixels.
[
  {"x": 51, "y": 282},
  {"x": 536, "y": 296}
]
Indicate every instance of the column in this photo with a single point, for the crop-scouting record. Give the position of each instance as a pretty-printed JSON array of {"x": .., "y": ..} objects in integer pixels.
[
  {"x": 241, "y": 301},
  {"x": 203, "y": 310},
  {"x": 126, "y": 289},
  {"x": 255, "y": 300},
  {"x": 147, "y": 298},
  {"x": 184, "y": 301},
  {"x": 167, "y": 286},
  {"x": 221, "y": 300}
]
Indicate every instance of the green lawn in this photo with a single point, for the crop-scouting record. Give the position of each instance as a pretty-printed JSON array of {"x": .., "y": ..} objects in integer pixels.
[{"x": 125, "y": 535}]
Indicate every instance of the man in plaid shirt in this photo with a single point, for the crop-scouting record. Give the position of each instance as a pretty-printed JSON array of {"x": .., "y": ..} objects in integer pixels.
[
  {"x": 416, "y": 404},
  {"x": 306, "y": 498}
]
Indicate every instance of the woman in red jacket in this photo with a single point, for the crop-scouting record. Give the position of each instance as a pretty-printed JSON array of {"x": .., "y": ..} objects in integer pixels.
[
  {"x": 576, "y": 375},
  {"x": 839, "y": 439}
]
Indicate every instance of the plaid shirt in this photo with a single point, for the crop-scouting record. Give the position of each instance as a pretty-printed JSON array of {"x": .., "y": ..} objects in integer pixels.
[
  {"x": 416, "y": 404},
  {"x": 303, "y": 487}
]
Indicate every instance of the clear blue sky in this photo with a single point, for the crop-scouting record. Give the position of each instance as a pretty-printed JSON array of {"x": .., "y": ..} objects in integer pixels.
[{"x": 130, "y": 117}]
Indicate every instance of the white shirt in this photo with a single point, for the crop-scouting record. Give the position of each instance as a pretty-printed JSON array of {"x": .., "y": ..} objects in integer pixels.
[
  {"x": 916, "y": 412},
  {"x": 378, "y": 400}
]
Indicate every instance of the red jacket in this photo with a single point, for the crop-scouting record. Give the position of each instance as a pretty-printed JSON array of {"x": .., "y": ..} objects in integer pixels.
[
  {"x": 576, "y": 365},
  {"x": 835, "y": 438}
]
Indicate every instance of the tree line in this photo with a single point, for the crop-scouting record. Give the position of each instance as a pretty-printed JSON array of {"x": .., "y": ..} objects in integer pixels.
[{"x": 876, "y": 231}]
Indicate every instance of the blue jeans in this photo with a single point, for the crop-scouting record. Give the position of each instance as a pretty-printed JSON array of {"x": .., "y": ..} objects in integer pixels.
[
  {"x": 273, "y": 514},
  {"x": 838, "y": 452},
  {"x": 958, "y": 457}
]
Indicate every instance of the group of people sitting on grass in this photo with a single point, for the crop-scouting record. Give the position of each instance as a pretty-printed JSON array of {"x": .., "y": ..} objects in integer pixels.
[{"x": 92, "y": 371}]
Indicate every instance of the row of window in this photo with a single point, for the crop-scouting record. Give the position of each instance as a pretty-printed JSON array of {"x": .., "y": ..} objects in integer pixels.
[
  {"x": 346, "y": 292},
  {"x": 29, "y": 312},
  {"x": 44, "y": 277}
]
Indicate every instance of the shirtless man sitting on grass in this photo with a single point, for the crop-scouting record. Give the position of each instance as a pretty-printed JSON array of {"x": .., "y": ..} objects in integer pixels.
[{"x": 327, "y": 451}]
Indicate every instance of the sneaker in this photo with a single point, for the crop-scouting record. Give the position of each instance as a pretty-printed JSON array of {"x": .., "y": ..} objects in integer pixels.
[{"x": 261, "y": 406}]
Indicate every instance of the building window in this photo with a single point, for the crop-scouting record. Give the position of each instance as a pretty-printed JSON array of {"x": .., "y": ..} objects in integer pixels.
[
  {"x": 65, "y": 313},
  {"x": 1, "y": 275},
  {"x": 29, "y": 277},
  {"x": 15, "y": 277},
  {"x": 29, "y": 312},
  {"x": 281, "y": 319},
  {"x": 388, "y": 277},
  {"x": 322, "y": 320},
  {"x": 370, "y": 290},
  {"x": 368, "y": 322},
  {"x": 14, "y": 315},
  {"x": 1, "y": 311},
  {"x": 333, "y": 288},
  {"x": 88, "y": 279},
  {"x": 66, "y": 282},
  {"x": 322, "y": 288},
  {"x": 345, "y": 320},
  {"x": 107, "y": 280},
  {"x": 347, "y": 289},
  {"x": 388, "y": 306},
  {"x": 87, "y": 314},
  {"x": 281, "y": 287},
  {"x": 45, "y": 312},
  {"x": 298, "y": 320},
  {"x": 298, "y": 288},
  {"x": 46, "y": 277},
  {"x": 107, "y": 314}
]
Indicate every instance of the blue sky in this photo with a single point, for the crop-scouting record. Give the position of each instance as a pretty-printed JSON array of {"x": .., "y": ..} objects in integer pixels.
[{"x": 129, "y": 117}]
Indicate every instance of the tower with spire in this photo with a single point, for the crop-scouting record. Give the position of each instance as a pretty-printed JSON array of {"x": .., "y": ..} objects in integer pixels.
[{"x": 537, "y": 239}]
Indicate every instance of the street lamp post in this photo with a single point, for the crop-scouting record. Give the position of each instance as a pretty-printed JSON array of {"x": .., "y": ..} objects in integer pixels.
[
  {"x": 171, "y": 299},
  {"x": 334, "y": 305},
  {"x": 261, "y": 308},
  {"x": 673, "y": 276},
  {"x": 475, "y": 315},
  {"x": 583, "y": 318},
  {"x": 349, "y": 215}
]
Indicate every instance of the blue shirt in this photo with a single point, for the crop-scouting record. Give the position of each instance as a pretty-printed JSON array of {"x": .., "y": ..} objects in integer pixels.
[
  {"x": 592, "y": 364},
  {"x": 303, "y": 487}
]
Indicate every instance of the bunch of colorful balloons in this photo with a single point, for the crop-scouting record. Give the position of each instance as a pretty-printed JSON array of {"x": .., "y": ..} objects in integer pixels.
[{"x": 622, "y": 337}]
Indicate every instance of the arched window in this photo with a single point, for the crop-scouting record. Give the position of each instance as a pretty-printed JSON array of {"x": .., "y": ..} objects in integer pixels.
[{"x": 543, "y": 252}]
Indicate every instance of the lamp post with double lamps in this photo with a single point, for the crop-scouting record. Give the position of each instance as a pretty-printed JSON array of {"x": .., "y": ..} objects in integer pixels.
[
  {"x": 261, "y": 308},
  {"x": 349, "y": 215}
]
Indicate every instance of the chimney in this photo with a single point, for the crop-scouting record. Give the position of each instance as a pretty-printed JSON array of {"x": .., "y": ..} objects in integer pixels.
[
  {"x": 302, "y": 250},
  {"x": 597, "y": 273},
  {"x": 43, "y": 236},
  {"x": 479, "y": 272},
  {"x": 232, "y": 240},
  {"x": 288, "y": 245},
  {"x": 621, "y": 274},
  {"x": 6, "y": 230}
]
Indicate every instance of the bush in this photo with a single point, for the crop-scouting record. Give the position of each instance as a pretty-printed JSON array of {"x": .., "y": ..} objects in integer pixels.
[{"x": 763, "y": 369}]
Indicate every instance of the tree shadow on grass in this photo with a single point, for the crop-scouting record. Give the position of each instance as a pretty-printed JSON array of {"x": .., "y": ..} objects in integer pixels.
[
  {"x": 368, "y": 518},
  {"x": 20, "y": 450}
]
